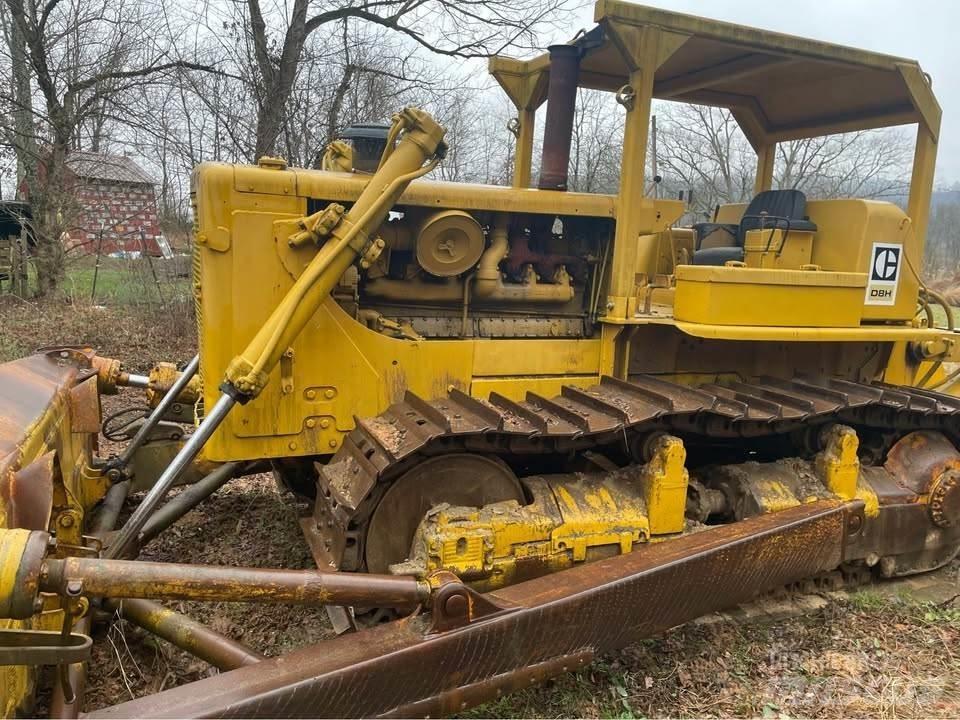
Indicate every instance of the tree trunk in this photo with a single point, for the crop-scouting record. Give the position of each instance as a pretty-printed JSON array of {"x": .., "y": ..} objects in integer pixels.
[
  {"x": 51, "y": 210},
  {"x": 277, "y": 77},
  {"x": 269, "y": 124},
  {"x": 24, "y": 147},
  {"x": 25, "y": 141},
  {"x": 336, "y": 107}
]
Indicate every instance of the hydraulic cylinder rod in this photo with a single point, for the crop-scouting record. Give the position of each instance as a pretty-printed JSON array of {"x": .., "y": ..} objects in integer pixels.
[
  {"x": 217, "y": 583},
  {"x": 137, "y": 381},
  {"x": 126, "y": 538},
  {"x": 159, "y": 411},
  {"x": 186, "y": 633}
]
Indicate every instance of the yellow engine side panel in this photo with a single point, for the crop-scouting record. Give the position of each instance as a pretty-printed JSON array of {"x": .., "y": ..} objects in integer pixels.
[{"x": 337, "y": 368}]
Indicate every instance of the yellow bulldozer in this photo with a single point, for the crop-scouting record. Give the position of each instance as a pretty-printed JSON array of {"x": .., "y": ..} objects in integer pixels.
[{"x": 533, "y": 424}]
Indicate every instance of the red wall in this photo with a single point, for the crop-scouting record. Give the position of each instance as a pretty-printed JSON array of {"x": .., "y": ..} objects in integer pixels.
[{"x": 123, "y": 209}]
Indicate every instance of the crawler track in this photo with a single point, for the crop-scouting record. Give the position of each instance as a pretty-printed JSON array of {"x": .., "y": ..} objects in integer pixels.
[{"x": 613, "y": 412}]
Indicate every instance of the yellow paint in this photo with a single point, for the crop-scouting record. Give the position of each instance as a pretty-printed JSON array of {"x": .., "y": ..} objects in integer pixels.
[
  {"x": 665, "y": 481},
  {"x": 344, "y": 187},
  {"x": 250, "y": 369},
  {"x": 777, "y": 249},
  {"x": 13, "y": 543},
  {"x": 766, "y": 157},
  {"x": 773, "y": 495},
  {"x": 871, "y": 503},
  {"x": 756, "y": 297},
  {"x": 862, "y": 334},
  {"x": 570, "y": 519},
  {"x": 838, "y": 464},
  {"x": 843, "y": 242}
]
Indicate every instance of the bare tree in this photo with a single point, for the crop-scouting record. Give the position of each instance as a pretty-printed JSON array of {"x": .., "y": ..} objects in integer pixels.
[
  {"x": 868, "y": 163},
  {"x": 597, "y": 143},
  {"x": 83, "y": 57},
  {"x": 703, "y": 149},
  {"x": 462, "y": 28}
]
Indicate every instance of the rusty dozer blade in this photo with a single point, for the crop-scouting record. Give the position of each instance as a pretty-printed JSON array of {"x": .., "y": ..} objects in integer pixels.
[{"x": 451, "y": 659}]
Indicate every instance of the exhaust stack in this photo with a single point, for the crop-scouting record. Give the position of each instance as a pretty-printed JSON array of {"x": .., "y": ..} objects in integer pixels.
[{"x": 561, "y": 104}]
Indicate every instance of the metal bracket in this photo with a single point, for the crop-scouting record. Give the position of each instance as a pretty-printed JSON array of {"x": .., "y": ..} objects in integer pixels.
[
  {"x": 625, "y": 96},
  {"x": 42, "y": 647},
  {"x": 455, "y": 605}
]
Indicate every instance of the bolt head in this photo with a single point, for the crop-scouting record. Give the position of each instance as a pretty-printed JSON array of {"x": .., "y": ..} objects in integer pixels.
[
  {"x": 456, "y": 605},
  {"x": 854, "y": 523},
  {"x": 65, "y": 520}
]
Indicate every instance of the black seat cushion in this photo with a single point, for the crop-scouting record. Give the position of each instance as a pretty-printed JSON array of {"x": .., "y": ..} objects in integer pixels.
[
  {"x": 717, "y": 255},
  {"x": 781, "y": 209}
]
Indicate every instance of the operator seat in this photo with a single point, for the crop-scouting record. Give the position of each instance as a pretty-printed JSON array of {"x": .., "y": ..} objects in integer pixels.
[{"x": 781, "y": 209}]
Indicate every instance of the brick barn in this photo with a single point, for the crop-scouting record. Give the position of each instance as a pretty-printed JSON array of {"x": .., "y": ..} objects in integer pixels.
[{"x": 112, "y": 192}]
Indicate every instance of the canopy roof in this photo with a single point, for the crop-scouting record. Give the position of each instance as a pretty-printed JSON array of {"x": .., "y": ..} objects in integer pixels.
[{"x": 779, "y": 87}]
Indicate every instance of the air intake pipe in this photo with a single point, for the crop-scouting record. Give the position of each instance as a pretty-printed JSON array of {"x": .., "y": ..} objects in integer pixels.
[{"x": 561, "y": 105}]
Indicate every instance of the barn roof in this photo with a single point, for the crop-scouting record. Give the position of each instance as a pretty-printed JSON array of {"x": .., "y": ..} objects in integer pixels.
[{"x": 115, "y": 168}]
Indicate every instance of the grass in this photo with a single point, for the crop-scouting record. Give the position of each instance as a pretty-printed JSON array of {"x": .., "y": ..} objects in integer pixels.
[
  {"x": 125, "y": 281},
  {"x": 868, "y": 600},
  {"x": 869, "y": 656},
  {"x": 128, "y": 320}
]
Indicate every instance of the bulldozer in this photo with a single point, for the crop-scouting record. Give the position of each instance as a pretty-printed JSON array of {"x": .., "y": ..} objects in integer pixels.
[{"x": 533, "y": 424}]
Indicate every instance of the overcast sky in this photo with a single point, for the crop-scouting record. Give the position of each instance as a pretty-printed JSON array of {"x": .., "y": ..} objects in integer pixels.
[{"x": 923, "y": 30}]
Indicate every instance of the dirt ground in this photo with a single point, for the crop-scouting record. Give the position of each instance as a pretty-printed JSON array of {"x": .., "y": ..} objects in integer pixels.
[
  {"x": 872, "y": 654},
  {"x": 248, "y": 522}
]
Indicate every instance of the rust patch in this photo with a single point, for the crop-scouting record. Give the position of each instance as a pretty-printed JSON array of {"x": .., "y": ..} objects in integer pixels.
[
  {"x": 85, "y": 407},
  {"x": 920, "y": 458},
  {"x": 28, "y": 387},
  {"x": 28, "y": 494}
]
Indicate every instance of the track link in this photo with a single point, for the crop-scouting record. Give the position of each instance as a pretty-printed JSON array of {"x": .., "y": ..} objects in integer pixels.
[
  {"x": 613, "y": 411},
  {"x": 381, "y": 448}
]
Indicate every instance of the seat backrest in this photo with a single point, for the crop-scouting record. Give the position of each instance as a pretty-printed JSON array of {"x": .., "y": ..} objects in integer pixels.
[{"x": 790, "y": 204}]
